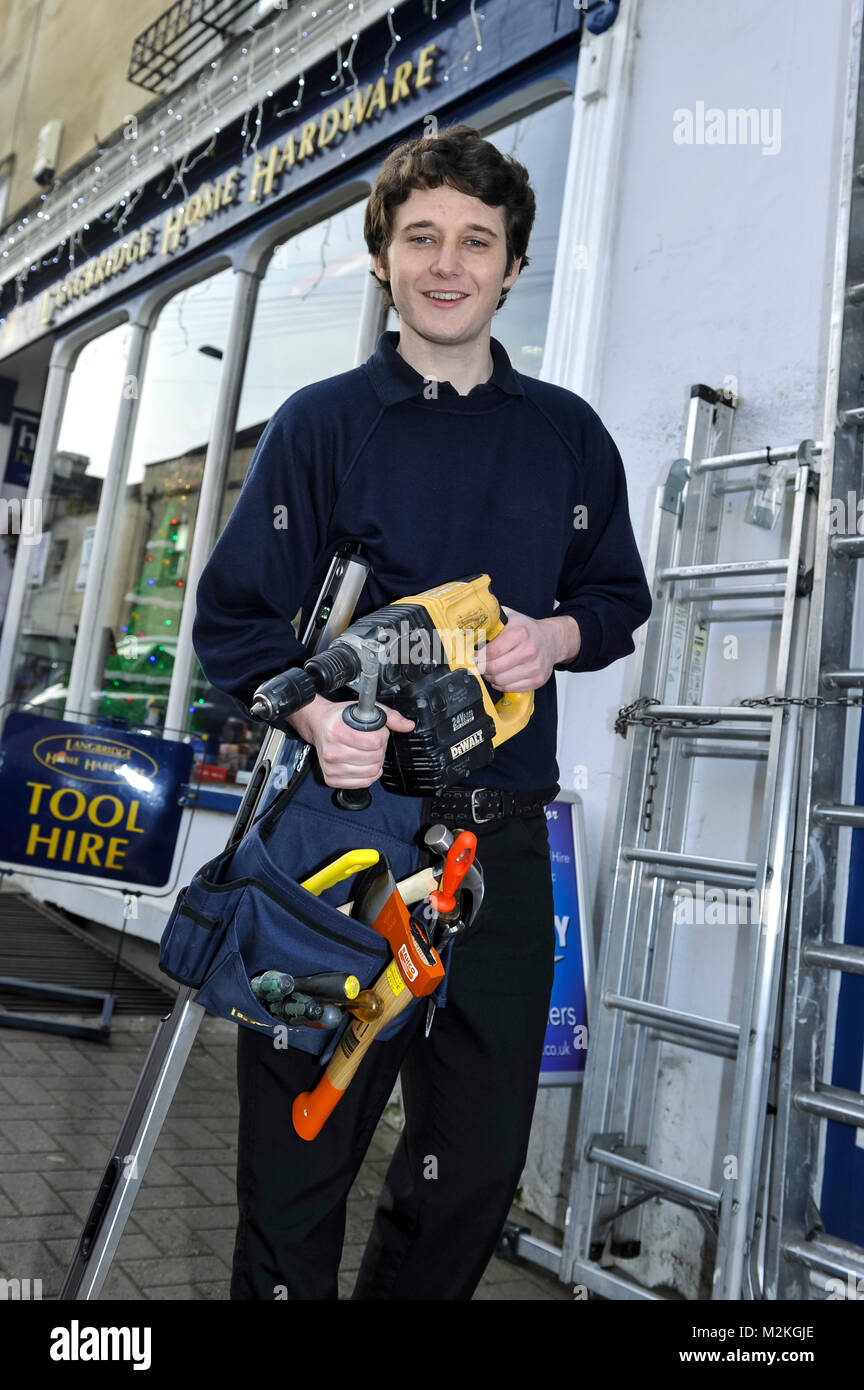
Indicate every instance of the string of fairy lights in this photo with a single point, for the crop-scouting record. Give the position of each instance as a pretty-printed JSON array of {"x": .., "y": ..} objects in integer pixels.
[{"x": 183, "y": 121}]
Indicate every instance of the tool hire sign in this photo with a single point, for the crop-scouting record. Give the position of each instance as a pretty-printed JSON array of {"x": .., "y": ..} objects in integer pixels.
[{"x": 84, "y": 800}]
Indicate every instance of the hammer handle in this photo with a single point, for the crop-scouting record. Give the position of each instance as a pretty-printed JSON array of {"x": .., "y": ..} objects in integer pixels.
[{"x": 312, "y": 1108}]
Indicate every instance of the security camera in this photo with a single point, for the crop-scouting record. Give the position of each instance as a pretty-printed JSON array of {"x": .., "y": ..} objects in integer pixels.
[{"x": 47, "y": 152}]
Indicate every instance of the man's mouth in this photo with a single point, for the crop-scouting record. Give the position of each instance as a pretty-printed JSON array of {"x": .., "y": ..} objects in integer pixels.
[{"x": 444, "y": 296}]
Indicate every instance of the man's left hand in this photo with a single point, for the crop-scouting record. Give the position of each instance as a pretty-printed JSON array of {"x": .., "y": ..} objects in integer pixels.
[{"x": 523, "y": 656}]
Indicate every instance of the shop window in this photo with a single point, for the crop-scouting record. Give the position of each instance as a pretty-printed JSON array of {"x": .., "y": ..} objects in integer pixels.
[
  {"x": 306, "y": 321},
  {"x": 539, "y": 141},
  {"x": 147, "y": 588},
  {"x": 57, "y": 562}
]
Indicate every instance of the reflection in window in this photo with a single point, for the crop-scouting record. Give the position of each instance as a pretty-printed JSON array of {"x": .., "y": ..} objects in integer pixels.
[
  {"x": 58, "y": 563},
  {"x": 157, "y": 522},
  {"x": 305, "y": 329},
  {"x": 539, "y": 141}
]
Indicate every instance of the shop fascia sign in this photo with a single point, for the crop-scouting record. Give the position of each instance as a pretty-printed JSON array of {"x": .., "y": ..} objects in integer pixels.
[{"x": 167, "y": 236}]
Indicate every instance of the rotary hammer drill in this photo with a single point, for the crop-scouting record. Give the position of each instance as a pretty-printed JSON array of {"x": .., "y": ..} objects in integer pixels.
[{"x": 418, "y": 656}]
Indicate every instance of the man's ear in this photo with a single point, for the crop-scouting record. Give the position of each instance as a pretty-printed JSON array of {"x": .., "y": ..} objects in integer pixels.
[
  {"x": 379, "y": 265},
  {"x": 513, "y": 274}
]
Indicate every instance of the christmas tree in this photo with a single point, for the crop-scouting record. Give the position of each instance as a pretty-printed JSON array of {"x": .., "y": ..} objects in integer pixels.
[{"x": 138, "y": 670}]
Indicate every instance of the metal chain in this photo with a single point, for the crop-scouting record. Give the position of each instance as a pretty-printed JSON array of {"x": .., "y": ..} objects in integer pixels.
[
  {"x": 811, "y": 701},
  {"x": 637, "y": 712},
  {"x": 651, "y": 781}
]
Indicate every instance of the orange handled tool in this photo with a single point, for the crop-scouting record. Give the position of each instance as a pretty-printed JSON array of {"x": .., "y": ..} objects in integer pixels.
[
  {"x": 415, "y": 970},
  {"x": 460, "y": 857}
]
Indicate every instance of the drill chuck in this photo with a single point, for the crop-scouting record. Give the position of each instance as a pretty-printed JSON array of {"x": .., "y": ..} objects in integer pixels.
[{"x": 283, "y": 695}]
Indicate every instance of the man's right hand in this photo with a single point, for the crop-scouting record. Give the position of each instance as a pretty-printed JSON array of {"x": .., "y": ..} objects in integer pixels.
[{"x": 348, "y": 757}]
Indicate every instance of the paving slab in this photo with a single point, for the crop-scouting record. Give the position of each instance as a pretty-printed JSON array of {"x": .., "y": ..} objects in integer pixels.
[{"x": 61, "y": 1104}]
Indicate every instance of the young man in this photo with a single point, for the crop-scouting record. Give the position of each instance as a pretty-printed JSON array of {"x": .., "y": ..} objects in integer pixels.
[{"x": 443, "y": 462}]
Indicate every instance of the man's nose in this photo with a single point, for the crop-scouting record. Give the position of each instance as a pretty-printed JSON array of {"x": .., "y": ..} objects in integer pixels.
[{"x": 447, "y": 259}]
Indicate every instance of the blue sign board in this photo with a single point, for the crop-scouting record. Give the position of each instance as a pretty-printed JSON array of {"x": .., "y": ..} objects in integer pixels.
[
  {"x": 842, "y": 1201},
  {"x": 22, "y": 445},
  {"x": 567, "y": 1028},
  {"x": 90, "y": 801}
]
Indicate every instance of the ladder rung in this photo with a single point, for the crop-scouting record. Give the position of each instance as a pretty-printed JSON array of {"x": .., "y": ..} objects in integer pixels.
[
  {"x": 839, "y": 815},
  {"x": 832, "y": 1103},
  {"x": 842, "y": 679},
  {"x": 855, "y": 416},
  {"x": 609, "y": 1284},
  {"x": 682, "y": 572},
  {"x": 696, "y": 750},
  {"x": 748, "y": 713},
  {"x": 829, "y": 1254},
  {"x": 692, "y": 867},
  {"x": 659, "y": 1013},
  {"x": 855, "y": 294},
  {"x": 836, "y": 956},
  {"x": 719, "y": 731},
  {"x": 682, "y": 1037},
  {"x": 719, "y": 461},
  {"x": 742, "y": 615},
  {"x": 718, "y": 489},
  {"x": 850, "y": 546},
  {"x": 653, "y": 1178},
  {"x": 732, "y": 591}
]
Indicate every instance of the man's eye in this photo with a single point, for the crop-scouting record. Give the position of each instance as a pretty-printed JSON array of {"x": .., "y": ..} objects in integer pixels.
[{"x": 420, "y": 238}]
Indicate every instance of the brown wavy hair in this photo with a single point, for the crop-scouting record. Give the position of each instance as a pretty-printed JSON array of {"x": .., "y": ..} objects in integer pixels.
[{"x": 459, "y": 157}]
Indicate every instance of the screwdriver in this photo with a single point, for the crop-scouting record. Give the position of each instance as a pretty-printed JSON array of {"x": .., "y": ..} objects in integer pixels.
[
  {"x": 302, "y": 1008},
  {"x": 271, "y": 987},
  {"x": 329, "y": 985}
]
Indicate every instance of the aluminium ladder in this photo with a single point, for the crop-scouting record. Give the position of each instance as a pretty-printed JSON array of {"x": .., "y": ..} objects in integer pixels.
[
  {"x": 798, "y": 1252},
  {"x": 621, "y": 1121}
]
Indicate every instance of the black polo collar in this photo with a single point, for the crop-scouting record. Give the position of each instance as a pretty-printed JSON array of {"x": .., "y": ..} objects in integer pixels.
[{"x": 396, "y": 380}]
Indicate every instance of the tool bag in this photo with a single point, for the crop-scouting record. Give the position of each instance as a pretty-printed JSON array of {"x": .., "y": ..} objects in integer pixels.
[{"x": 245, "y": 911}]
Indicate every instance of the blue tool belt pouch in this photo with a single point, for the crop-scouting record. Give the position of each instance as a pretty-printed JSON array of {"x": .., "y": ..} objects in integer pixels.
[{"x": 245, "y": 912}]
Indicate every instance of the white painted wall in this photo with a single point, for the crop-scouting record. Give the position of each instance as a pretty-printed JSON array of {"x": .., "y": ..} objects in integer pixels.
[{"x": 720, "y": 263}]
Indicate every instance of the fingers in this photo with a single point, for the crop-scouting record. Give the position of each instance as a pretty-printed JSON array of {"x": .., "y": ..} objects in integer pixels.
[
  {"x": 352, "y": 758},
  {"x": 397, "y": 722}
]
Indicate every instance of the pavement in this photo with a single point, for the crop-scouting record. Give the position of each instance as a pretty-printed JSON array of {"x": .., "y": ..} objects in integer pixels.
[{"x": 61, "y": 1103}]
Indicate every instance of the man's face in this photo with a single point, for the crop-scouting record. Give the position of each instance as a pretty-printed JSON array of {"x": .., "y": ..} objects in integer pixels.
[{"x": 446, "y": 243}]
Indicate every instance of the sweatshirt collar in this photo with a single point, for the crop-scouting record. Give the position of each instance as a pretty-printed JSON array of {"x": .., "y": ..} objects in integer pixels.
[{"x": 396, "y": 380}]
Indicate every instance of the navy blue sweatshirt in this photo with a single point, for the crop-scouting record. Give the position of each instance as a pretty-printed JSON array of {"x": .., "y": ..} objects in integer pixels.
[{"x": 519, "y": 479}]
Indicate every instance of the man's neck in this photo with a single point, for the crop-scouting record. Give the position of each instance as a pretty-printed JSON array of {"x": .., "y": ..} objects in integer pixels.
[{"x": 464, "y": 365}]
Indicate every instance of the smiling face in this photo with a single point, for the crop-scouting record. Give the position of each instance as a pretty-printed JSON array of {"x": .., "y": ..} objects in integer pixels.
[{"x": 446, "y": 264}]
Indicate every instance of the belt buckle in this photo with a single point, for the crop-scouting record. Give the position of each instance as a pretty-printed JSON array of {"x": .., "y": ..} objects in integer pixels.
[{"x": 481, "y": 820}]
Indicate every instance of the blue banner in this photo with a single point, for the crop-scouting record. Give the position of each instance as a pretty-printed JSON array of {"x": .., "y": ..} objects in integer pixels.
[
  {"x": 90, "y": 801},
  {"x": 22, "y": 446},
  {"x": 567, "y": 1029},
  {"x": 842, "y": 1203}
]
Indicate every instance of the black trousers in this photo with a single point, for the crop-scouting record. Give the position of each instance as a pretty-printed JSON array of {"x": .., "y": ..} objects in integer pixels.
[{"x": 468, "y": 1092}]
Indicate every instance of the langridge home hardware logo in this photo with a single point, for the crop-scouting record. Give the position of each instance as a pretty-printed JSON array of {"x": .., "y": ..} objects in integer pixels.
[{"x": 327, "y": 128}]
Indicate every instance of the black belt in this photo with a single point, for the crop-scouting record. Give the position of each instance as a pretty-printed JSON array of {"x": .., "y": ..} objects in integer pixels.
[{"x": 482, "y": 804}]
